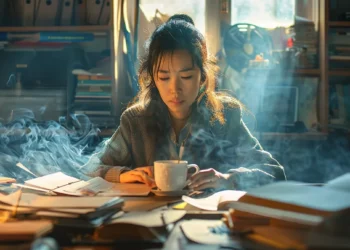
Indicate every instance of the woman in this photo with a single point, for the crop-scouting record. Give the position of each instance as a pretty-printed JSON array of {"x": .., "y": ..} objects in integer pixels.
[{"x": 177, "y": 106}]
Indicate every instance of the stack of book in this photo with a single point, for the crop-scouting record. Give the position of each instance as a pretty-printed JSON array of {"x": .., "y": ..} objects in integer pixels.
[
  {"x": 286, "y": 215},
  {"x": 306, "y": 41},
  {"x": 339, "y": 48},
  {"x": 92, "y": 211},
  {"x": 93, "y": 98}
]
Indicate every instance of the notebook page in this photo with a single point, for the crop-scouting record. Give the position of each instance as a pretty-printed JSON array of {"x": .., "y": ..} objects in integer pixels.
[{"x": 52, "y": 181}]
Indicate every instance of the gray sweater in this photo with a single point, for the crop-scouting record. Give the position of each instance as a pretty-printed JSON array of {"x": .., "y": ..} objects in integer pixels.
[{"x": 146, "y": 135}]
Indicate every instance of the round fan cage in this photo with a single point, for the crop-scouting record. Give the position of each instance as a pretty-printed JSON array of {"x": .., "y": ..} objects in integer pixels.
[{"x": 244, "y": 42}]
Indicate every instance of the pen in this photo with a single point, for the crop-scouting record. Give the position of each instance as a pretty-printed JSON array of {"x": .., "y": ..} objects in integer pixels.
[{"x": 163, "y": 218}]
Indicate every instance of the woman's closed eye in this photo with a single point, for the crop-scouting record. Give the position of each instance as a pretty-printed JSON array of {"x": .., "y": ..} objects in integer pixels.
[
  {"x": 163, "y": 78},
  {"x": 186, "y": 77}
]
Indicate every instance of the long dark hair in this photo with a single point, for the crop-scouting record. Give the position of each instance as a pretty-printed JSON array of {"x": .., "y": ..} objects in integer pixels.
[{"x": 181, "y": 35}]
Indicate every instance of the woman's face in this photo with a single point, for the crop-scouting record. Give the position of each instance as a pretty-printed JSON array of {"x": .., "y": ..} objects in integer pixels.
[{"x": 178, "y": 81}]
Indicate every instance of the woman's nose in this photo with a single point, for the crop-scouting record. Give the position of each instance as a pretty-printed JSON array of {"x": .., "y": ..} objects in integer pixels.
[{"x": 175, "y": 85}]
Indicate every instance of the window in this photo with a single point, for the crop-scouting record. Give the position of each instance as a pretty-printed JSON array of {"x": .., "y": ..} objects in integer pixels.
[
  {"x": 166, "y": 8},
  {"x": 267, "y": 13}
]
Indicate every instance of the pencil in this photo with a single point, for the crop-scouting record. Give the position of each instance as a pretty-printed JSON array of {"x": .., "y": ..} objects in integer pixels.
[{"x": 163, "y": 218}]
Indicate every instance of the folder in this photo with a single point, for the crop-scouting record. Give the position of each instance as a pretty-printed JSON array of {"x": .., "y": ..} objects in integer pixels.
[
  {"x": 47, "y": 13},
  {"x": 79, "y": 12},
  {"x": 93, "y": 9},
  {"x": 105, "y": 13},
  {"x": 26, "y": 9},
  {"x": 66, "y": 12}
]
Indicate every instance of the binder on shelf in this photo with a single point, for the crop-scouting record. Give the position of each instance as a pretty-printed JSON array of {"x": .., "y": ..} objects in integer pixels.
[
  {"x": 105, "y": 13},
  {"x": 46, "y": 36},
  {"x": 79, "y": 12},
  {"x": 47, "y": 13},
  {"x": 66, "y": 12},
  {"x": 93, "y": 11},
  {"x": 26, "y": 11}
]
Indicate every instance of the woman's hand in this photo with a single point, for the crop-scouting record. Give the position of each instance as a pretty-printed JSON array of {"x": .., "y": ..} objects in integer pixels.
[
  {"x": 140, "y": 174},
  {"x": 210, "y": 178}
]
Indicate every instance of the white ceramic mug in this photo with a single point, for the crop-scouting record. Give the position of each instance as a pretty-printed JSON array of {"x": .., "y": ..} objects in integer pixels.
[{"x": 171, "y": 175}]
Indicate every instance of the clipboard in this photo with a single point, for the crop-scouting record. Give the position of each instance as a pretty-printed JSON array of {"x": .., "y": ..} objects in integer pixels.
[
  {"x": 105, "y": 13},
  {"x": 46, "y": 13},
  {"x": 93, "y": 11},
  {"x": 66, "y": 12}
]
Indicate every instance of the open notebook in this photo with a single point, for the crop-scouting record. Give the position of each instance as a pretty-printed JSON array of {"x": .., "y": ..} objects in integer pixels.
[{"x": 60, "y": 183}]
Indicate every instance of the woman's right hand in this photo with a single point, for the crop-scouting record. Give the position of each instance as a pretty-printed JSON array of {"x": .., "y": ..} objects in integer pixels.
[{"x": 140, "y": 174}]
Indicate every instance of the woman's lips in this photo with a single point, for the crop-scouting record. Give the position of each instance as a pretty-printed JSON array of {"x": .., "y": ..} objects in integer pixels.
[{"x": 176, "y": 101}]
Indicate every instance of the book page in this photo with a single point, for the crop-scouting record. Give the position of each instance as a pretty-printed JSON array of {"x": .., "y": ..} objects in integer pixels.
[
  {"x": 100, "y": 187},
  {"x": 214, "y": 201},
  {"x": 52, "y": 181},
  {"x": 340, "y": 183}
]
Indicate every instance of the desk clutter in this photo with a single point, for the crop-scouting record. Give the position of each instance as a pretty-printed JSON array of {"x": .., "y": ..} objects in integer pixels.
[{"x": 280, "y": 215}]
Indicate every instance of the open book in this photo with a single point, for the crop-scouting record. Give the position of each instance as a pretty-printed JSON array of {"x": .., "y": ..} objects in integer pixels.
[
  {"x": 285, "y": 195},
  {"x": 60, "y": 183}
]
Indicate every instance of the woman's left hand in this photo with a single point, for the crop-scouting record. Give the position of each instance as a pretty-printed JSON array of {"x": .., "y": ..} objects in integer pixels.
[{"x": 210, "y": 178}]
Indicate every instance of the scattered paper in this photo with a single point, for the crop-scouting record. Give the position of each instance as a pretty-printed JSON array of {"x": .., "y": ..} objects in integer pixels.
[
  {"x": 52, "y": 181},
  {"x": 214, "y": 201},
  {"x": 63, "y": 184},
  {"x": 209, "y": 232},
  {"x": 150, "y": 218}
]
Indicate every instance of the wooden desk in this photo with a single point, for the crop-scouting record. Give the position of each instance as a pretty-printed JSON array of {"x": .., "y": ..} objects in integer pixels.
[{"x": 133, "y": 204}]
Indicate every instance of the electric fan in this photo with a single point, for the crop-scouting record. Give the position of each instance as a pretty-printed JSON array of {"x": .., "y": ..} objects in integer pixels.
[{"x": 244, "y": 43}]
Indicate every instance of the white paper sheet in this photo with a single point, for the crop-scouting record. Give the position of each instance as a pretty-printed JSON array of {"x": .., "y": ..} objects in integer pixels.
[{"x": 212, "y": 202}]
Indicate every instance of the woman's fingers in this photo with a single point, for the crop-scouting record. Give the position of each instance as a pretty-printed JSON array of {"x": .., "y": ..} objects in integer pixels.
[
  {"x": 205, "y": 182},
  {"x": 137, "y": 176},
  {"x": 205, "y": 185},
  {"x": 148, "y": 170},
  {"x": 203, "y": 174}
]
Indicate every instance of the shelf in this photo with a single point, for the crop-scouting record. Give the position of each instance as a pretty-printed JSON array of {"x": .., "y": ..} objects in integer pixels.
[
  {"x": 339, "y": 72},
  {"x": 313, "y": 72},
  {"x": 309, "y": 136},
  {"x": 87, "y": 28},
  {"x": 284, "y": 72},
  {"x": 339, "y": 24}
]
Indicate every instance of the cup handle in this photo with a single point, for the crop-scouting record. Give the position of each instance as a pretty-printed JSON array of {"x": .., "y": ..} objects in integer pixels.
[{"x": 193, "y": 166}]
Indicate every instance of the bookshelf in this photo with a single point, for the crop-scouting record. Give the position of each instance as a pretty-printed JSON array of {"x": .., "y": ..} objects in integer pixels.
[
  {"x": 107, "y": 38},
  {"x": 335, "y": 63},
  {"x": 325, "y": 72}
]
